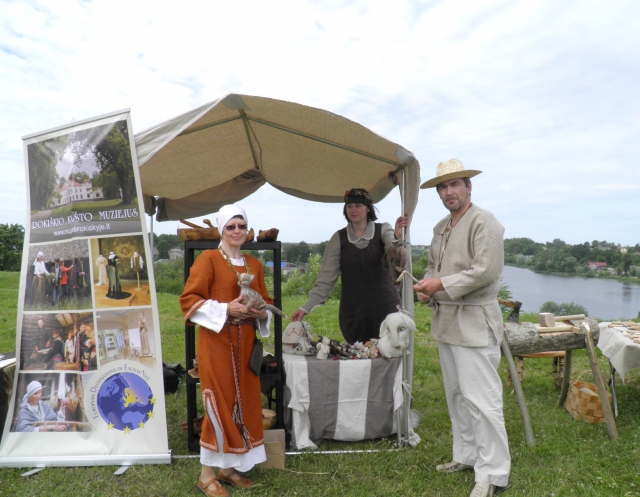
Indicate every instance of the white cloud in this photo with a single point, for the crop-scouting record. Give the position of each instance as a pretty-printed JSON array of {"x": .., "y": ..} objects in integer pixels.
[{"x": 539, "y": 95}]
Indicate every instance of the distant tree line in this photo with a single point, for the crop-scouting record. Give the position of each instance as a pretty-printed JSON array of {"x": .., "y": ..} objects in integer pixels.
[{"x": 560, "y": 257}]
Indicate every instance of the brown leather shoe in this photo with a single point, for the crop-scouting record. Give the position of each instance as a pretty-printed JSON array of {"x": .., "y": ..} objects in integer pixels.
[
  {"x": 236, "y": 480},
  {"x": 212, "y": 488}
]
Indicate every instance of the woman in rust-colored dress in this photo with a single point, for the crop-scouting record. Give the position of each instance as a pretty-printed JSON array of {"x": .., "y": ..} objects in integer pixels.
[{"x": 231, "y": 438}]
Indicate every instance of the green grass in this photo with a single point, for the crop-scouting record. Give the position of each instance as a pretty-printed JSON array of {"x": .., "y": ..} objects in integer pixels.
[{"x": 569, "y": 458}]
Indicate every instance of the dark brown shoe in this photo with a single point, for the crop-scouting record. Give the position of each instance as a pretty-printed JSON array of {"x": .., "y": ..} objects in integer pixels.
[
  {"x": 236, "y": 480},
  {"x": 212, "y": 488}
]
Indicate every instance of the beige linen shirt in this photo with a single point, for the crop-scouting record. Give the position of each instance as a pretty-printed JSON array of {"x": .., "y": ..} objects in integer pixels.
[
  {"x": 471, "y": 267},
  {"x": 330, "y": 268}
]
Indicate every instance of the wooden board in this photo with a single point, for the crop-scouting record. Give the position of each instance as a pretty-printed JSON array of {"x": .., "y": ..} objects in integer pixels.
[{"x": 550, "y": 329}]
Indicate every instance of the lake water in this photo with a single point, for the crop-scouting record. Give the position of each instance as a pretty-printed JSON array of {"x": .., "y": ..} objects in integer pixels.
[{"x": 604, "y": 299}]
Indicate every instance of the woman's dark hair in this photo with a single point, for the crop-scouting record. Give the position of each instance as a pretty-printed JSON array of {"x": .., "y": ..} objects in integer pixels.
[{"x": 359, "y": 196}]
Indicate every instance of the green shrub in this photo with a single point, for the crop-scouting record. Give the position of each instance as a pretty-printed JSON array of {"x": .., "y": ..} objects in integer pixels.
[
  {"x": 301, "y": 283},
  {"x": 563, "y": 309},
  {"x": 169, "y": 276}
]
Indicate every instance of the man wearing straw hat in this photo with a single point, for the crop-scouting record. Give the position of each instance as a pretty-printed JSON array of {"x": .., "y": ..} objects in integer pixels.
[{"x": 461, "y": 284}]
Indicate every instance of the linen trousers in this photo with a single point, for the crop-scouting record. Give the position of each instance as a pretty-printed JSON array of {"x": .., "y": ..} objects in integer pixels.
[{"x": 474, "y": 397}]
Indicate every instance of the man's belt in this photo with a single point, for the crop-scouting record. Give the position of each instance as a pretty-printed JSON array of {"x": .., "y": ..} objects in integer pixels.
[{"x": 435, "y": 304}]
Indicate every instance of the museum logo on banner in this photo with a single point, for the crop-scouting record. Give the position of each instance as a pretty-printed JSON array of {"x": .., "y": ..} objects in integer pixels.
[{"x": 121, "y": 398}]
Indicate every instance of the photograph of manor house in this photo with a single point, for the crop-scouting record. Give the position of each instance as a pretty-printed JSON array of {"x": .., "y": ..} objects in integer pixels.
[
  {"x": 82, "y": 183},
  {"x": 70, "y": 190}
]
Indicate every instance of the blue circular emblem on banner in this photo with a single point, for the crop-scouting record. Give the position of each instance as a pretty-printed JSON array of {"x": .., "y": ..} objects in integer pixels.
[{"x": 125, "y": 402}]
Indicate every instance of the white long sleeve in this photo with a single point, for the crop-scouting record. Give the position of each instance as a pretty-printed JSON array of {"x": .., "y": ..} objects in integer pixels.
[{"x": 212, "y": 315}]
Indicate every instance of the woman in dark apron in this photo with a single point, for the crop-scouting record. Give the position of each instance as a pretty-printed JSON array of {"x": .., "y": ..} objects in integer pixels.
[{"x": 356, "y": 254}]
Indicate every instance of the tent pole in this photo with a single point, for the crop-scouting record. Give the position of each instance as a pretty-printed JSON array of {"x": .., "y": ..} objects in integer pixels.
[
  {"x": 151, "y": 238},
  {"x": 406, "y": 382}
]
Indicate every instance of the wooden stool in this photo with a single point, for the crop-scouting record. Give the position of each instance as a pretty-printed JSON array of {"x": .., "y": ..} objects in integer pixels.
[{"x": 557, "y": 369}]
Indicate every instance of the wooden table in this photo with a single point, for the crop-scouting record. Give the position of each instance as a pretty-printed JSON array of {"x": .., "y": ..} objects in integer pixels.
[{"x": 523, "y": 338}]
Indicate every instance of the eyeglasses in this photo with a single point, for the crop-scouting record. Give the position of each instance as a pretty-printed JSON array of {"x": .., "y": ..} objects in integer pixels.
[{"x": 232, "y": 227}]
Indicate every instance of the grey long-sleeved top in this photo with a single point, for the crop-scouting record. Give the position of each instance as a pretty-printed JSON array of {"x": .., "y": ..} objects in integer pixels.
[
  {"x": 330, "y": 268},
  {"x": 470, "y": 272}
]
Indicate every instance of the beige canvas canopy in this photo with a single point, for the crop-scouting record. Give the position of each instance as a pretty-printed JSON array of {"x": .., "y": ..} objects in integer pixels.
[{"x": 225, "y": 150}]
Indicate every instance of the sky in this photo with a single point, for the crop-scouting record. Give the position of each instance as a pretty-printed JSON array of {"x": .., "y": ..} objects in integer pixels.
[{"x": 541, "y": 96}]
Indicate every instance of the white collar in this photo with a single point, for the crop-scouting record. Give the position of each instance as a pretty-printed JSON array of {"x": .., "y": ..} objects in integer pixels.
[
  {"x": 235, "y": 262},
  {"x": 369, "y": 231}
]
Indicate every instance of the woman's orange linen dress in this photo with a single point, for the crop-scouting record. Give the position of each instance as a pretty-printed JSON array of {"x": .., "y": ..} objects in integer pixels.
[{"x": 211, "y": 277}]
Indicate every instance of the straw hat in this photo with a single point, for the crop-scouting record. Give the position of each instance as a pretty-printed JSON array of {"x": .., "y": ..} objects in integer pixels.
[{"x": 451, "y": 169}]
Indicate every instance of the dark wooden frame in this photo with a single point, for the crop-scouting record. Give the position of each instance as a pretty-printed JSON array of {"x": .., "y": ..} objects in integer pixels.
[{"x": 189, "y": 333}]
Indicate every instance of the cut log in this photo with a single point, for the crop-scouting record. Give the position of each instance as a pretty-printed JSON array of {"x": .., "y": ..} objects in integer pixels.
[{"x": 524, "y": 338}]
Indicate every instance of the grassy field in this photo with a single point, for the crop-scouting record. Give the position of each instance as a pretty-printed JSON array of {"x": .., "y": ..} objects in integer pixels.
[{"x": 570, "y": 458}]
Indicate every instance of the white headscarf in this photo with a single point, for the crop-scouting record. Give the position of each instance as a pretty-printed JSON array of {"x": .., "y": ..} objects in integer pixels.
[
  {"x": 226, "y": 213},
  {"x": 40, "y": 254},
  {"x": 32, "y": 388}
]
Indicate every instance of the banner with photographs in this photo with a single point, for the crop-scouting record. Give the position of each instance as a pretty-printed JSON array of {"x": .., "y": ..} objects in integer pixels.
[{"x": 88, "y": 388}]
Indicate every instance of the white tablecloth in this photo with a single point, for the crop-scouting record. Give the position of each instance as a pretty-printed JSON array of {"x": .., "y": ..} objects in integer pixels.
[
  {"x": 341, "y": 400},
  {"x": 623, "y": 353}
]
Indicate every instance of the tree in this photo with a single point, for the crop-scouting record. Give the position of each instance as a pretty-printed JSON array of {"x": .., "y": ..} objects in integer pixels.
[
  {"x": 43, "y": 177},
  {"x": 580, "y": 251},
  {"x": 109, "y": 183},
  {"x": 296, "y": 252},
  {"x": 568, "y": 264},
  {"x": 163, "y": 247},
  {"x": 164, "y": 243},
  {"x": 267, "y": 256},
  {"x": 525, "y": 246},
  {"x": 319, "y": 248},
  {"x": 11, "y": 239},
  {"x": 626, "y": 262},
  {"x": 79, "y": 177},
  {"x": 110, "y": 147},
  {"x": 558, "y": 244},
  {"x": 420, "y": 265}
]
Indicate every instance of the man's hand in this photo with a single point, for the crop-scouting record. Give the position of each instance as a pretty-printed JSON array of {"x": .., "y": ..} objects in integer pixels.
[
  {"x": 427, "y": 287},
  {"x": 298, "y": 315}
]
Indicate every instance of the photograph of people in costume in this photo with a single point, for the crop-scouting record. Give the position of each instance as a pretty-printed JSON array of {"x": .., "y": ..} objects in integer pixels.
[
  {"x": 126, "y": 334},
  {"x": 58, "y": 277},
  {"x": 52, "y": 402},
  {"x": 58, "y": 341},
  {"x": 120, "y": 277},
  {"x": 82, "y": 183}
]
